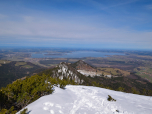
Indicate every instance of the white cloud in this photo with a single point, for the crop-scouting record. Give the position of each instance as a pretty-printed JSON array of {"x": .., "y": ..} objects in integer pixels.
[{"x": 50, "y": 29}]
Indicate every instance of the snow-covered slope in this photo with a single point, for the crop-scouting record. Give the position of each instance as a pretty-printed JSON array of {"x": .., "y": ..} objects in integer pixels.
[{"x": 90, "y": 100}]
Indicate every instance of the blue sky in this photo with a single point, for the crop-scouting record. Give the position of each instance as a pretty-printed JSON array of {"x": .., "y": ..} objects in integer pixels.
[{"x": 112, "y": 24}]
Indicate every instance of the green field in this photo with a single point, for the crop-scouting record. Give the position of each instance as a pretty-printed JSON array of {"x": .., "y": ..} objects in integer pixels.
[
  {"x": 144, "y": 72},
  {"x": 20, "y": 63},
  {"x": 114, "y": 71},
  {"x": 27, "y": 66}
]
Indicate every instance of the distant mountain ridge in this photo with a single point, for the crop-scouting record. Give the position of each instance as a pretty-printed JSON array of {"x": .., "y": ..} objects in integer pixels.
[
  {"x": 69, "y": 71},
  {"x": 81, "y": 65},
  {"x": 85, "y": 68},
  {"x": 65, "y": 71}
]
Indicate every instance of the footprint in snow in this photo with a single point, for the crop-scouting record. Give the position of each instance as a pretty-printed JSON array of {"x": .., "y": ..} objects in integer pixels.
[
  {"x": 48, "y": 106},
  {"x": 51, "y": 111}
]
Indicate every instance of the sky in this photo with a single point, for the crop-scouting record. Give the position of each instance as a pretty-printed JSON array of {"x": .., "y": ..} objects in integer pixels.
[{"x": 102, "y": 24}]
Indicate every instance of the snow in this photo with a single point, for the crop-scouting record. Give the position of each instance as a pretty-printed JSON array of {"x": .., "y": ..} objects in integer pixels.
[
  {"x": 63, "y": 68},
  {"x": 87, "y": 73},
  {"x": 90, "y": 100}
]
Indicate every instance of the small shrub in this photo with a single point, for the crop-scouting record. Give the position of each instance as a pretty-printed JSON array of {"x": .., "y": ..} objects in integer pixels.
[
  {"x": 62, "y": 84},
  {"x": 3, "y": 111},
  {"x": 24, "y": 111},
  {"x": 110, "y": 98},
  {"x": 117, "y": 110},
  {"x": 10, "y": 111},
  {"x": 121, "y": 89}
]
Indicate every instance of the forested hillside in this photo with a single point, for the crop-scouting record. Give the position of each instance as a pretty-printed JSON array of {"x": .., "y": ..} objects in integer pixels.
[
  {"x": 123, "y": 84},
  {"x": 11, "y": 71}
]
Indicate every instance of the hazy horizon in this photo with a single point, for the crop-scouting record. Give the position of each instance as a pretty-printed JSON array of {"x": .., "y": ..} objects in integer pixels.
[
  {"x": 73, "y": 48},
  {"x": 85, "y": 24}
]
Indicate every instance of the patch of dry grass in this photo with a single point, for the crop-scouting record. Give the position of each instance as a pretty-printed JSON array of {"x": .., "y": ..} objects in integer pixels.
[
  {"x": 27, "y": 66},
  {"x": 4, "y": 62},
  {"x": 20, "y": 63},
  {"x": 114, "y": 71},
  {"x": 73, "y": 60}
]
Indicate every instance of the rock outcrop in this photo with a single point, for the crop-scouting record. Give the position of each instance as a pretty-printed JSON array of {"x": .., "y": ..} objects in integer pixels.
[{"x": 81, "y": 65}]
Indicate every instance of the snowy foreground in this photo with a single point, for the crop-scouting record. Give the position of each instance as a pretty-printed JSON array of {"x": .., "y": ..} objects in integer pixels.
[{"x": 90, "y": 100}]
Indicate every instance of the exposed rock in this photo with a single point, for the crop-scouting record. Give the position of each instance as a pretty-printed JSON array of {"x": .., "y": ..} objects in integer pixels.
[
  {"x": 81, "y": 65},
  {"x": 64, "y": 70}
]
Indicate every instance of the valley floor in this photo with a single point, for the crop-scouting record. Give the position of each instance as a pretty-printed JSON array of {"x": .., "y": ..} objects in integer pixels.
[{"x": 90, "y": 100}]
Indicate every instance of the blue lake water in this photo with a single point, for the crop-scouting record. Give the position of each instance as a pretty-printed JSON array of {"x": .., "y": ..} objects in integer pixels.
[{"x": 75, "y": 54}]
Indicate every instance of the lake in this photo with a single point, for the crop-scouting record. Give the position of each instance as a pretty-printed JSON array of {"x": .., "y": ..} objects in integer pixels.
[{"x": 75, "y": 54}]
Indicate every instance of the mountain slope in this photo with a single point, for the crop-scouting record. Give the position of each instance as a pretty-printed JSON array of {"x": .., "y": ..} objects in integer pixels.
[
  {"x": 84, "y": 68},
  {"x": 90, "y": 100},
  {"x": 81, "y": 65},
  {"x": 65, "y": 71},
  {"x": 14, "y": 70}
]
